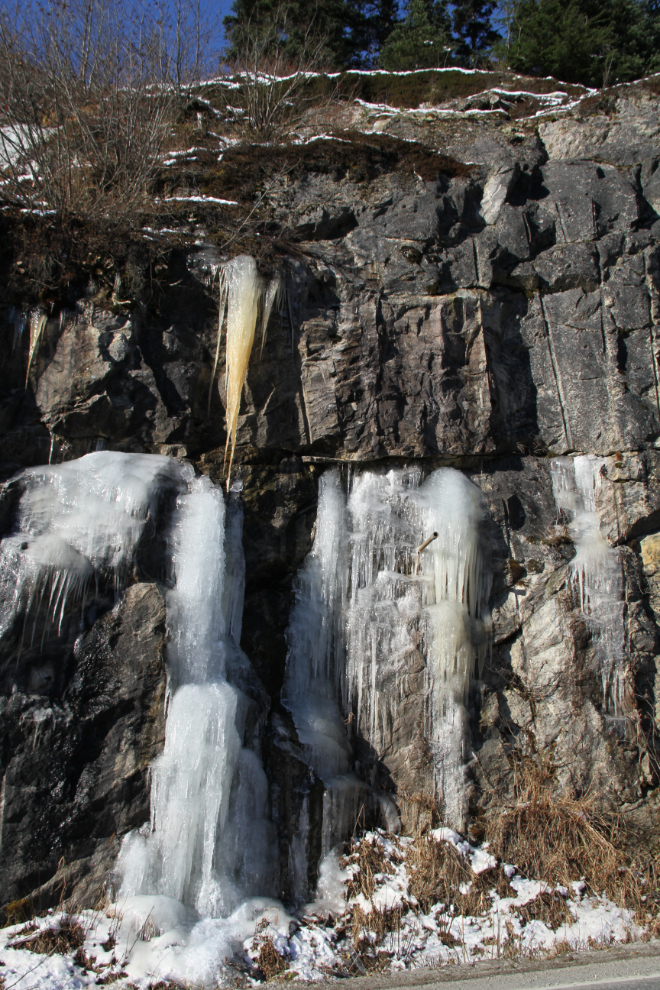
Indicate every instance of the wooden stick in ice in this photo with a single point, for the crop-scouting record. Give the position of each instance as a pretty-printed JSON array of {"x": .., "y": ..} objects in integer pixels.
[
  {"x": 423, "y": 546},
  {"x": 426, "y": 542}
]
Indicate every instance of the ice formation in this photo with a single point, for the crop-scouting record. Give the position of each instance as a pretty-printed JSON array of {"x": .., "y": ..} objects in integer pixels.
[
  {"x": 38, "y": 323},
  {"x": 199, "y": 871},
  {"x": 208, "y": 852},
  {"x": 596, "y": 568},
  {"x": 368, "y": 606},
  {"x": 75, "y": 523},
  {"x": 244, "y": 299}
]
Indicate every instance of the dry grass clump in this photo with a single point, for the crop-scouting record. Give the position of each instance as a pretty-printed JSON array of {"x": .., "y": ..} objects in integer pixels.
[
  {"x": 269, "y": 961},
  {"x": 371, "y": 860},
  {"x": 69, "y": 935},
  {"x": 439, "y": 874},
  {"x": 550, "y": 908},
  {"x": 17, "y": 911},
  {"x": 559, "y": 838},
  {"x": 436, "y": 872},
  {"x": 380, "y": 935}
]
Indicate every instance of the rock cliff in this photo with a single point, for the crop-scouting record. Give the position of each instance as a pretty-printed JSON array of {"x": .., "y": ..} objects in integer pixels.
[{"x": 492, "y": 317}]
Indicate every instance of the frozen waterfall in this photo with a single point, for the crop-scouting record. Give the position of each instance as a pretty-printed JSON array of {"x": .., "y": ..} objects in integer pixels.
[
  {"x": 183, "y": 856},
  {"x": 596, "y": 568},
  {"x": 367, "y": 602},
  {"x": 196, "y": 875},
  {"x": 373, "y": 598},
  {"x": 210, "y": 847}
]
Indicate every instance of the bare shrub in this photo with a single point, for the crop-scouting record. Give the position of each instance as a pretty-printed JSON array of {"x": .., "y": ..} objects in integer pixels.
[
  {"x": 275, "y": 92},
  {"x": 85, "y": 106}
]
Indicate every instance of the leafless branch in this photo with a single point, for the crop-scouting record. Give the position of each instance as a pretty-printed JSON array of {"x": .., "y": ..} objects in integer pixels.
[{"x": 272, "y": 92}]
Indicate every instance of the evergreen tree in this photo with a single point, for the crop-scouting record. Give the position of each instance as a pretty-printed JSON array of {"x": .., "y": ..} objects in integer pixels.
[
  {"x": 350, "y": 29},
  {"x": 421, "y": 41},
  {"x": 594, "y": 42},
  {"x": 381, "y": 20},
  {"x": 473, "y": 29}
]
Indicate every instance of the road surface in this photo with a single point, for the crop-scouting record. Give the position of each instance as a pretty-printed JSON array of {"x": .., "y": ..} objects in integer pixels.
[{"x": 633, "y": 967}]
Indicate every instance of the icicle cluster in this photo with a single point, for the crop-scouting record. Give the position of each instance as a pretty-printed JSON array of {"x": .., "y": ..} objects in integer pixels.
[
  {"x": 38, "y": 322},
  {"x": 75, "y": 523},
  {"x": 596, "y": 568},
  {"x": 201, "y": 867},
  {"x": 369, "y": 608}
]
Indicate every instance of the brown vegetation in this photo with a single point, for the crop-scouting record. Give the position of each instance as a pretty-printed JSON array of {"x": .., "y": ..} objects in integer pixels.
[
  {"x": 269, "y": 962},
  {"x": 438, "y": 872},
  {"x": 18, "y": 911},
  {"x": 70, "y": 934},
  {"x": 370, "y": 859},
  {"x": 83, "y": 95},
  {"x": 562, "y": 838}
]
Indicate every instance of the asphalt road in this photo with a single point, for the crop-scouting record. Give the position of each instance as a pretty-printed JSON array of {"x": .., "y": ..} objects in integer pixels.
[
  {"x": 631, "y": 967},
  {"x": 642, "y": 975}
]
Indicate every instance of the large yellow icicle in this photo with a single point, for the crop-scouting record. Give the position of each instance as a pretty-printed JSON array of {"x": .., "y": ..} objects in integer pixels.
[
  {"x": 244, "y": 289},
  {"x": 243, "y": 299}
]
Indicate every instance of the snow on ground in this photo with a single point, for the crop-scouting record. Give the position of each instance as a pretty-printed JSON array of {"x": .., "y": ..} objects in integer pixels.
[{"x": 366, "y": 917}]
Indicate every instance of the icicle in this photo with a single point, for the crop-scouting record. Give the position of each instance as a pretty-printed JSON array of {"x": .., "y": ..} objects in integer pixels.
[
  {"x": 243, "y": 298},
  {"x": 196, "y": 622},
  {"x": 461, "y": 583},
  {"x": 38, "y": 322},
  {"x": 596, "y": 568},
  {"x": 222, "y": 281},
  {"x": 19, "y": 320},
  {"x": 273, "y": 294}
]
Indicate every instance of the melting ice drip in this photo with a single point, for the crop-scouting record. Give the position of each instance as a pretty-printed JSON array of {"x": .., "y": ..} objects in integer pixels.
[
  {"x": 75, "y": 524},
  {"x": 596, "y": 568},
  {"x": 244, "y": 298},
  {"x": 370, "y": 613},
  {"x": 195, "y": 870}
]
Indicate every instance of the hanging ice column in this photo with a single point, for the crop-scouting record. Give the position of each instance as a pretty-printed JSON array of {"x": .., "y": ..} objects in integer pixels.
[
  {"x": 459, "y": 588},
  {"x": 368, "y": 604},
  {"x": 596, "y": 568},
  {"x": 209, "y": 845},
  {"x": 244, "y": 298}
]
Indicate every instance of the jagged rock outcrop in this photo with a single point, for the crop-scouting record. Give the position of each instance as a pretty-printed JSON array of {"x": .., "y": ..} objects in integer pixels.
[{"x": 487, "y": 320}]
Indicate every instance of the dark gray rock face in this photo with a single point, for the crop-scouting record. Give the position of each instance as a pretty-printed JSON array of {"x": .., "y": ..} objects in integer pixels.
[
  {"x": 81, "y": 724},
  {"x": 482, "y": 322}
]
